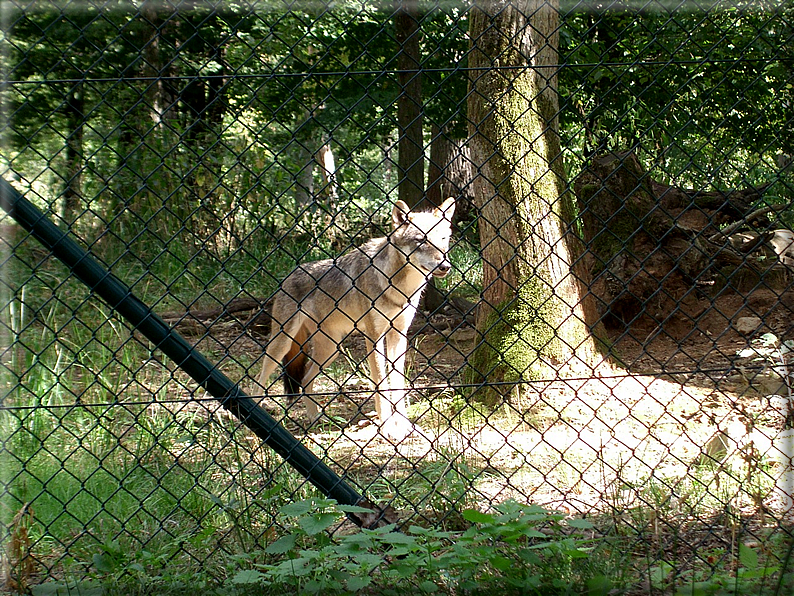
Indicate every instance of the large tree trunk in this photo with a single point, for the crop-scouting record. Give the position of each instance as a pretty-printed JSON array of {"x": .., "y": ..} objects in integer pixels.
[
  {"x": 535, "y": 311},
  {"x": 411, "y": 160},
  {"x": 159, "y": 98}
]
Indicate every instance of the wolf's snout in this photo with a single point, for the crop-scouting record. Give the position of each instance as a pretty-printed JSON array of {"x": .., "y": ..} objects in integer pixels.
[{"x": 442, "y": 269}]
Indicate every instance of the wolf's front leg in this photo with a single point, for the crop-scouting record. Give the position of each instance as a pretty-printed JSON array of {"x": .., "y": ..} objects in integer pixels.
[
  {"x": 395, "y": 423},
  {"x": 396, "y": 348},
  {"x": 386, "y": 361},
  {"x": 376, "y": 357}
]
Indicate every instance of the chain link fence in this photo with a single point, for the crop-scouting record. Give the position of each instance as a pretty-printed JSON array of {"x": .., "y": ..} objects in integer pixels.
[{"x": 610, "y": 338}]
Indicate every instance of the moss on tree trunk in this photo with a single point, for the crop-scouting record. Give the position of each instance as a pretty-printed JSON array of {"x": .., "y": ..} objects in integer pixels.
[{"x": 535, "y": 312}]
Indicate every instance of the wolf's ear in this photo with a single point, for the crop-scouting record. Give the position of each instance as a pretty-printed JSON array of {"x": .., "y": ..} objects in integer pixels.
[
  {"x": 447, "y": 209},
  {"x": 400, "y": 214}
]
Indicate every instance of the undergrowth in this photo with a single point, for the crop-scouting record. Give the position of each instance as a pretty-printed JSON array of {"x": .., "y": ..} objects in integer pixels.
[{"x": 516, "y": 549}]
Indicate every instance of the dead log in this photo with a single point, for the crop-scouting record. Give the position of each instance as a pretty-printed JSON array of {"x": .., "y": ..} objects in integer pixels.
[
  {"x": 732, "y": 204},
  {"x": 750, "y": 219},
  {"x": 646, "y": 259},
  {"x": 200, "y": 321},
  {"x": 260, "y": 323}
]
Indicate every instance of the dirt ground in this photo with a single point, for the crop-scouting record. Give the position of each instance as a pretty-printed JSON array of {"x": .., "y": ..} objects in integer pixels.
[{"x": 677, "y": 418}]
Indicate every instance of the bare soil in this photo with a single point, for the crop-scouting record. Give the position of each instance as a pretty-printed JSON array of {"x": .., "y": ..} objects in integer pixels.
[{"x": 670, "y": 394}]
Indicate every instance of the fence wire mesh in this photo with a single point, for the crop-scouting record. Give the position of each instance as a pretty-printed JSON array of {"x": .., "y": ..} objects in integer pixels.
[{"x": 608, "y": 335}]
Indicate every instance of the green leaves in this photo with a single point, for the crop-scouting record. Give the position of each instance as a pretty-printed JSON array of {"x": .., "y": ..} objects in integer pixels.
[
  {"x": 747, "y": 573},
  {"x": 282, "y": 545},
  {"x": 516, "y": 548},
  {"x": 748, "y": 557},
  {"x": 477, "y": 517},
  {"x": 317, "y": 523},
  {"x": 247, "y": 577}
]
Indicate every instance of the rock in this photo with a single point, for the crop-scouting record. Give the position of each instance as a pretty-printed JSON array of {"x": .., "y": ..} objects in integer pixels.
[
  {"x": 748, "y": 325},
  {"x": 716, "y": 449}
]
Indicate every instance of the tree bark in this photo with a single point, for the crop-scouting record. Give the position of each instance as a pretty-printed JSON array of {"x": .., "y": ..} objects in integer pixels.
[
  {"x": 440, "y": 156},
  {"x": 535, "y": 313},
  {"x": 75, "y": 119},
  {"x": 411, "y": 160},
  {"x": 159, "y": 98},
  {"x": 330, "y": 188},
  {"x": 450, "y": 173}
]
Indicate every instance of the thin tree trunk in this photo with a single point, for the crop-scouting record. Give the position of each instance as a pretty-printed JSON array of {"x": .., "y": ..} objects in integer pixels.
[
  {"x": 411, "y": 161},
  {"x": 75, "y": 119},
  {"x": 450, "y": 173},
  {"x": 533, "y": 317},
  {"x": 327, "y": 163},
  {"x": 440, "y": 157},
  {"x": 160, "y": 101}
]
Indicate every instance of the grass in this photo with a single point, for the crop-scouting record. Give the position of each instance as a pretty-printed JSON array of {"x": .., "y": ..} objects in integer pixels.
[
  {"x": 150, "y": 499},
  {"x": 96, "y": 458}
]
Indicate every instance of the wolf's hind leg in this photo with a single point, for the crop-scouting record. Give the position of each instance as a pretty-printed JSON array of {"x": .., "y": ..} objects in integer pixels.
[
  {"x": 280, "y": 344},
  {"x": 324, "y": 350}
]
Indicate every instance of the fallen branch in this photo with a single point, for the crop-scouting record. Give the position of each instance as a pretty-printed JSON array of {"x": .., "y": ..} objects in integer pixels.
[
  {"x": 212, "y": 314},
  {"x": 736, "y": 225}
]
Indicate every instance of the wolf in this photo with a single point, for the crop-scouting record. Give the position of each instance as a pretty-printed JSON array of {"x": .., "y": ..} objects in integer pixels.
[{"x": 374, "y": 289}]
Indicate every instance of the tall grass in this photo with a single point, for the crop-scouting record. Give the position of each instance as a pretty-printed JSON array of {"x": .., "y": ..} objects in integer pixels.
[{"x": 106, "y": 444}]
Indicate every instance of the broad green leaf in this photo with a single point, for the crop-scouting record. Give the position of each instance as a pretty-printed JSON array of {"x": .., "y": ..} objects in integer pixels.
[
  {"x": 247, "y": 577},
  {"x": 297, "y": 508},
  {"x": 104, "y": 563},
  {"x": 748, "y": 557},
  {"x": 525, "y": 533},
  {"x": 317, "y": 523},
  {"x": 353, "y": 509},
  {"x": 578, "y": 522},
  {"x": 282, "y": 545},
  {"x": 477, "y": 517},
  {"x": 502, "y": 563},
  {"x": 576, "y": 553},
  {"x": 86, "y": 588},
  {"x": 599, "y": 585},
  {"x": 354, "y": 584},
  {"x": 293, "y": 568},
  {"x": 758, "y": 573},
  {"x": 397, "y": 538},
  {"x": 659, "y": 573},
  {"x": 368, "y": 560}
]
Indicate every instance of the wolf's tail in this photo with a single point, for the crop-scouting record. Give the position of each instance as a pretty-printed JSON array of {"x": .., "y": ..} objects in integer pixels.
[{"x": 295, "y": 364}]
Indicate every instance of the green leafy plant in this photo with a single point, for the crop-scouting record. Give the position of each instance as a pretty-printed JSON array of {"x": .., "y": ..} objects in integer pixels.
[
  {"x": 747, "y": 573},
  {"x": 517, "y": 549}
]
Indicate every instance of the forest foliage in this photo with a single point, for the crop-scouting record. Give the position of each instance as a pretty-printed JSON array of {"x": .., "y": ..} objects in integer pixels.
[{"x": 202, "y": 128}]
